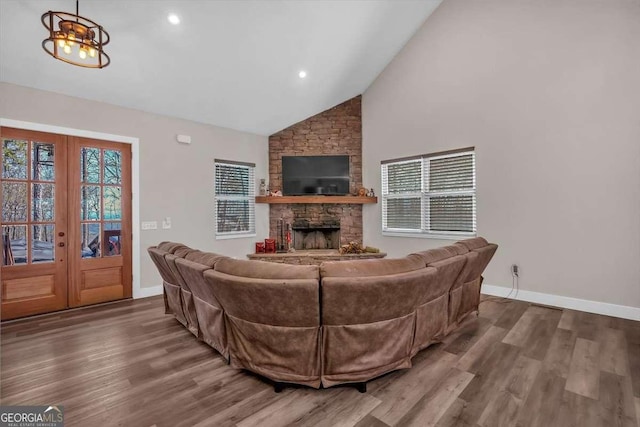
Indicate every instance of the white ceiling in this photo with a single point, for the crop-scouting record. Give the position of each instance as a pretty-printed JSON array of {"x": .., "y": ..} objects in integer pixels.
[{"x": 229, "y": 63}]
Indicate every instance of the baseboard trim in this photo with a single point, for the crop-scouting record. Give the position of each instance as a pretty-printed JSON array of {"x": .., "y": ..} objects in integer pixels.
[
  {"x": 622, "y": 311},
  {"x": 150, "y": 291}
]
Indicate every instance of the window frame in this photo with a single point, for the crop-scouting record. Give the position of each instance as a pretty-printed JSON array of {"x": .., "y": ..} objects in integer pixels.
[
  {"x": 250, "y": 198},
  {"x": 425, "y": 196}
]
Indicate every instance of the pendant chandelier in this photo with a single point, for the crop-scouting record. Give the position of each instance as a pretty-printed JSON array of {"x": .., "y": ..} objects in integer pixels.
[{"x": 75, "y": 39}]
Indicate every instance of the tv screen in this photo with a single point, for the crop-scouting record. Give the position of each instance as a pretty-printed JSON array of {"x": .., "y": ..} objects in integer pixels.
[{"x": 315, "y": 175}]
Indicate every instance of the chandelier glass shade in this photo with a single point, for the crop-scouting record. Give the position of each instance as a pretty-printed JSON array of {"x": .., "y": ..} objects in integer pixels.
[{"x": 75, "y": 40}]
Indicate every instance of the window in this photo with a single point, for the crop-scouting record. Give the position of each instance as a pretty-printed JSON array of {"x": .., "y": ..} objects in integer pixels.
[
  {"x": 432, "y": 195},
  {"x": 234, "y": 199}
]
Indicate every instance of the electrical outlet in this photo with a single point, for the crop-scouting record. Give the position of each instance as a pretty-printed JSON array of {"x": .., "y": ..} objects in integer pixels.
[
  {"x": 149, "y": 225},
  {"x": 515, "y": 270}
]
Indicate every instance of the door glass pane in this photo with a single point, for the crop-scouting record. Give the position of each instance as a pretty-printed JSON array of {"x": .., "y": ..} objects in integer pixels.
[
  {"x": 112, "y": 241},
  {"x": 112, "y": 205},
  {"x": 90, "y": 240},
  {"x": 42, "y": 199},
  {"x": 42, "y": 168},
  {"x": 14, "y": 201},
  {"x": 90, "y": 165},
  {"x": 90, "y": 203},
  {"x": 14, "y": 244},
  {"x": 42, "y": 249},
  {"x": 112, "y": 167},
  {"x": 14, "y": 159}
]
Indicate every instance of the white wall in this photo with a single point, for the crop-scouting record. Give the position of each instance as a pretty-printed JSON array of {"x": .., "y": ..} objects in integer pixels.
[
  {"x": 548, "y": 92},
  {"x": 176, "y": 180}
]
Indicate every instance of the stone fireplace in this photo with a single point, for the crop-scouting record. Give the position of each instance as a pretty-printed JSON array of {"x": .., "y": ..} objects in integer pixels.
[
  {"x": 338, "y": 224},
  {"x": 336, "y": 131}
]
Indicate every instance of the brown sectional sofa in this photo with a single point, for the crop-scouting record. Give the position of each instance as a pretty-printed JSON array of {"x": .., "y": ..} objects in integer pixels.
[{"x": 340, "y": 322}]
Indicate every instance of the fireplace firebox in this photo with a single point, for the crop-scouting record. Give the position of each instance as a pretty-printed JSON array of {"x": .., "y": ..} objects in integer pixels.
[{"x": 316, "y": 235}]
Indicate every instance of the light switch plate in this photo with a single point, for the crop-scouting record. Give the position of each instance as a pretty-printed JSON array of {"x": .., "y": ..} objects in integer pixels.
[
  {"x": 166, "y": 223},
  {"x": 149, "y": 225}
]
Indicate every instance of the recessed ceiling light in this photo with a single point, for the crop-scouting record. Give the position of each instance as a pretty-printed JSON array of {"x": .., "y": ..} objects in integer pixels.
[
  {"x": 302, "y": 74},
  {"x": 173, "y": 18}
]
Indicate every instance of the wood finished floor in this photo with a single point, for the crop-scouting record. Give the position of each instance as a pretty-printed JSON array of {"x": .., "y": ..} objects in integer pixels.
[{"x": 516, "y": 364}]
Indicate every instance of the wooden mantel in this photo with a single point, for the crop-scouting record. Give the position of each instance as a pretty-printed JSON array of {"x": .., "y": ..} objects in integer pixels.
[{"x": 317, "y": 199}]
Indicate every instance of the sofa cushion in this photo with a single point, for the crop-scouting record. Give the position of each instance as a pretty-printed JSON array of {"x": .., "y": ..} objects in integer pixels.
[
  {"x": 181, "y": 252},
  {"x": 205, "y": 258},
  {"x": 438, "y": 254},
  {"x": 266, "y": 270},
  {"x": 170, "y": 247},
  {"x": 475, "y": 243},
  {"x": 371, "y": 267}
]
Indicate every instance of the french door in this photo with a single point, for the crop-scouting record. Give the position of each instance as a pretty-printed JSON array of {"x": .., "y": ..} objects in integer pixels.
[{"x": 66, "y": 222}]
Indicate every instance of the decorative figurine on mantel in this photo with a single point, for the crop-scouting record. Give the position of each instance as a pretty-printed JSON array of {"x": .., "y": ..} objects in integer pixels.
[
  {"x": 263, "y": 187},
  {"x": 371, "y": 193}
]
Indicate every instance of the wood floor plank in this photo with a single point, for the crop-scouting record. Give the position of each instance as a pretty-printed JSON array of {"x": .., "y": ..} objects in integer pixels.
[
  {"x": 402, "y": 394},
  {"x": 520, "y": 332},
  {"x": 468, "y": 335},
  {"x": 345, "y": 410},
  {"x": 584, "y": 373},
  {"x": 490, "y": 376},
  {"x": 539, "y": 340},
  {"x": 454, "y": 415},
  {"x": 558, "y": 358},
  {"x": 542, "y": 406},
  {"x": 633, "y": 355},
  {"x": 587, "y": 325},
  {"x": 567, "y": 319},
  {"x": 130, "y": 364},
  {"x": 286, "y": 409},
  {"x": 371, "y": 421},
  {"x": 616, "y": 400},
  {"x": 470, "y": 360},
  {"x": 504, "y": 407},
  {"x": 511, "y": 314},
  {"x": 434, "y": 404},
  {"x": 613, "y": 352},
  {"x": 580, "y": 411}
]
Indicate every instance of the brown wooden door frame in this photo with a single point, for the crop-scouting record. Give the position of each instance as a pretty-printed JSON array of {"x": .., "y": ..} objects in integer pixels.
[
  {"x": 36, "y": 288},
  {"x": 70, "y": 281},
  {"x": 101, "y": 279}
]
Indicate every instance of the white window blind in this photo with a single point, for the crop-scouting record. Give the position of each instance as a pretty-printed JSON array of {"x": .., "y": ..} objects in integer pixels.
[
  {"x": 430, "y": 194},
  {"x": 234, "y": 191}
]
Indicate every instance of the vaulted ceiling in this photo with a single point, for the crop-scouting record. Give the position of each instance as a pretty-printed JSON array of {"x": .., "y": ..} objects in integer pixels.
[{"x": 228, "y": 63}]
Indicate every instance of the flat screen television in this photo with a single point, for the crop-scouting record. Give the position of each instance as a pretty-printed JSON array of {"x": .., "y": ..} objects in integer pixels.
[{"x": 303, "y": 175}]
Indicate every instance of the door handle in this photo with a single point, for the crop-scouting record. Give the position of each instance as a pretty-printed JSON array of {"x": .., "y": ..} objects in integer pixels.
[{"x": 61, "y": 244}]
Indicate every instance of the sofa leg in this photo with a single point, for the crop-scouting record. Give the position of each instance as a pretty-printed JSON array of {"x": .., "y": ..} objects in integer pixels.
[
  {"x": 278, "y": 387},
  {"x": 361, "y": 387}
]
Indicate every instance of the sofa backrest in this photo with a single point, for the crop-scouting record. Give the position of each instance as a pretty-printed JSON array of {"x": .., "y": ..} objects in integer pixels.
[
  {"x": 192, "y": 274},
  {"x": 450, "y": 262},
  {"x": 478, "y": 257},
  {"x": 205, "y": 258},
  {"x": 170, "y": 247},
  {"x": 157, "y": 256},
  {"x": 171, "y": 263},
  {"x": 349, "y": 299},
  {"x": 266, "y": 270},
  {"x": 370, "y": 267}
]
